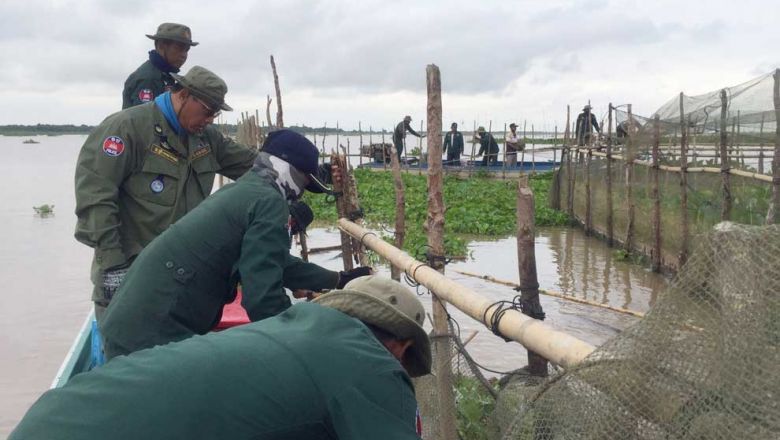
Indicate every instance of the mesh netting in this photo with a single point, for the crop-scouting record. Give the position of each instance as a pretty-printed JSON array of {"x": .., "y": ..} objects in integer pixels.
[{"x": 703, "y": 364}]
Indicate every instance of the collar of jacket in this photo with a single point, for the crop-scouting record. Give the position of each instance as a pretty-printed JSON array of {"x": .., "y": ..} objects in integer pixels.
[
  {"x": 159, "y": 62},
  {"x": 165, "y": 105}
]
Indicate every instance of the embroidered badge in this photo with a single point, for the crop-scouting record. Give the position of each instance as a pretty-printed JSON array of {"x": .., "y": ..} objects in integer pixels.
[
  {"x": 145, "y": 95},
  {"x": 113, "y": 146},
  {"x": 158, "y": 184},
  {"x": 162, "y": 152},
  {"x": 200, "y": 152}
]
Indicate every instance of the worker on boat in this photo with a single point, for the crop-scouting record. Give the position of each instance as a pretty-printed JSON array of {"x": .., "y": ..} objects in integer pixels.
[
  {"x": 172, "y": 43},
  {"x": 338, "y": 367},
  {"x": 453, "y": 145},
  {"x": 179, "y": 283},
  {"x": 487, "y": 146},
  {"x": 514, "y": 143},
  {"x": 586, "y": 122},
  {"x": 399, "y": 135}
]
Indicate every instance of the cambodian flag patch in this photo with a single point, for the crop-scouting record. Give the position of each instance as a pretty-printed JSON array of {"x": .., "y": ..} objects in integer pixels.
[
  {"x": 113, "y": 146},
  {"x": 145, "y": 95}
]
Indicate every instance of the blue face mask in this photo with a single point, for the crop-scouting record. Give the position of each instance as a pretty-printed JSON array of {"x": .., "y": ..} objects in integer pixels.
[{"x": 159, "y": 62}]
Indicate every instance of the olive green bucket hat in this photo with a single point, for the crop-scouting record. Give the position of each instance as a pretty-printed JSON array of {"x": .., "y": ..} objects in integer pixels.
[
  {"x": 205, "y": 85},
  {"x": 174, "y": 32},
  {"x": 386, "y": 304}
]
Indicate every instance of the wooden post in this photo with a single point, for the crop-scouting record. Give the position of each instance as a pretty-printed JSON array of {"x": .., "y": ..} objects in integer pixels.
[
  {"x": 588, "y": 195},
  {"x": 761, "y": 146},
  {"x": 569, "y": 172},
  {"x": 473, "y": 147},
  {"x": 400, "y": 211},
  {"x": 360, "y": 144},
  {"x": 684, "y": 234},
  {"x": 526, "y": 265},
  {"x": 384, "y": 156},
  {"x": 487, "y": 153},
  {"x": 324, "y": 132},
  {"x": 533, "y": 149},
  {"x": 725, "y": 212},
  {"x": 503, "y": 165},
  {"x": 610, "y": 218},
  {"x": 268, "y": 113},
  {"x": 343, "y": 211},
  {"x": 656, "y": 196},
  {"x": 556, "y": 195},
  {"x": 774, "y": 204},
  {"x": 630, "y": 183},
  {"x": 279, "y": 118},
  {"x": 338, "y": 141},
  {"x": 442, "y": 365}
]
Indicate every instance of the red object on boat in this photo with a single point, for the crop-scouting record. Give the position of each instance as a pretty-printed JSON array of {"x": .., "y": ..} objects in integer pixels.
[{"x": 233, "y": 314}]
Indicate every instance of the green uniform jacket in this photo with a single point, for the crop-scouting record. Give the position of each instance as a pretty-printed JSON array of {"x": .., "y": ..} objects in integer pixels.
[
  {"x": 310, "y": 373},
  {"x": 130, "y": 188},
  {"x": 178, "y": 285},
  {"x": 145, "y": 84},
  {"x": 487, "y": 145},
  {"x": 453, "y": 141}
]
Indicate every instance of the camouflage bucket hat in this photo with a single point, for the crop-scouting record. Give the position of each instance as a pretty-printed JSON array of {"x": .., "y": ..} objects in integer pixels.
[
  {"x": 205, "y": 85},
  {"x": 174, "y": 32},
  {"x": 390, "y": 306}
]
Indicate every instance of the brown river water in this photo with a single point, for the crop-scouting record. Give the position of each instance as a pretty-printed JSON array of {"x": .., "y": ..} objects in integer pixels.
[{"x": 45, "y": 277}]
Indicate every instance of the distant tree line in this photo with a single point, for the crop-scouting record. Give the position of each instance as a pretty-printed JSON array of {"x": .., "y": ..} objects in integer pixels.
[{"x": 44, "y": 129}]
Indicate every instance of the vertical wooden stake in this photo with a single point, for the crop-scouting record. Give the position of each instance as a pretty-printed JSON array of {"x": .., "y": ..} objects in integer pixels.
[
  {"x": 442, "y": 365},
  {"x": 684, "y": 234},
  {"x": 360, "y": 144},
  {"x": 400, "y": 210},
  {"x": 610, "y": 220},
  {"x": 384, "y": 156},
  {"x": 725, "y": 212},
  {"x": 533, "y": 149},
  {"x": 588, "y": 195},
  {"x": 761, "y": 146},
  {"x": 473, "y": 147},
  {"x": 324, "y": 133},
  {"x": 655, "y": 194},
  {"x": 343, "y": 211},
  {"x": 630, "y": 183},
  {"x": 772, "y": 216},
  {"x": 279, "y": 118},
  {"x": 526, "y": 264},
  {"x": 338, "y": 141},
  {"x": 569, "y": 172},
  {"x": 503, "y": 165},
  {"x": 268, "y": 114}
]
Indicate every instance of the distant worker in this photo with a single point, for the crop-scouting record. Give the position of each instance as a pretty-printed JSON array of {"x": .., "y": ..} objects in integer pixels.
[
  {"x": 399, "y": 135},
  {"x": 487, "y": 146},
  {"x": 514, "y": 143},
  {"x": 586, "y": 122},
  {"x": 335, "y": 368},
  {"x": 453, "y": 145},
  {"x": 172, "y": 42},
  {"x": 179, "y": 284},
  {"x": 143, "y": 168}
]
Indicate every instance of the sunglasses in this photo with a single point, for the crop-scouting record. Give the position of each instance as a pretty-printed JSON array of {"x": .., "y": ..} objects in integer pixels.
[{"x": 210, "y": 112}]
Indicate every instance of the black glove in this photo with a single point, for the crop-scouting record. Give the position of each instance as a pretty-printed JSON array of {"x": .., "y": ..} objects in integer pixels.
[
  {"x": 302, "y": 217},
  {"x": 345, "y": 276}
]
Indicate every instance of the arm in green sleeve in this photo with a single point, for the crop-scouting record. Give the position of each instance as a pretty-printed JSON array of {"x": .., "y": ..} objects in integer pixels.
[
  {"x": 234, "y": 159},
  {"x": 299, "y": 274},
  {"x": 264, "y": 251},
  {"x": 134, "y": 87},
  {"x": 381, "y": 406},
  {"x": 98, "y": 178}
]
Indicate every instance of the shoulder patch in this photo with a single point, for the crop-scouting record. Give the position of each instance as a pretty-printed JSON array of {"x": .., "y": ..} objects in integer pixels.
[
  {"x": 145, "y": 95},
  {"x": 113, "y": 146}
]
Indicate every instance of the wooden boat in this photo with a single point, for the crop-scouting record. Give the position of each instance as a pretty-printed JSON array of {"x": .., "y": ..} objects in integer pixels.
[
  {"x": 86, "y": 351},
  {"x": 30, "y": 141}
]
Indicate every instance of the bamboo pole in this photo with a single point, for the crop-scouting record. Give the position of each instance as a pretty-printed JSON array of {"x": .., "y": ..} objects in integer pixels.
[
  {"x": 556, "y": 196},
  {"x": 473, "y": 147},
  {"x": 655, "y": 193},
  {"x": 557, "y": 347},
  {"x": 569, "y": 172},
  {"x": 268, "y": 113},
  {"x": 320, "y": 250},
  {"x": 400, "y": 212},
  {"x": 684, "y": 232},
  {"x": 553, "y": 294},
  {"x": 774, "y": 203},
  {"x": 725, "y": 212},
  {"x": 761, "y": 146},
  {"x": 360, "y": 149},
  {"x": 343, "y": 211},
  {"x": 533, "y": 149},
  {"x": 356, "y": 214},
  {"x": 610, "y": 213},
  {"x": 503, "y": 165},
  {"x": 526, "y": 264},
  {"x": 631, "y": 156},
  {"x": 588, "y": 195},
  {"x": 384, "y": 156},
  {"x": 279, "y": 118},
  {"x": 435, "y": 229}
]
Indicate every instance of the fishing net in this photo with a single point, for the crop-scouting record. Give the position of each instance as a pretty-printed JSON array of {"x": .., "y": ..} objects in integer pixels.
[{"x": 703, "y": 364}]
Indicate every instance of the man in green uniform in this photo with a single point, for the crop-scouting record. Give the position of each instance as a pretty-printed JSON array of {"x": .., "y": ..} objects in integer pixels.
[
  {"x": 487, "y": 146},
  {"x": 172, "y": 43},
  {"x": 399, "y": 135},
  {"x": 337, "y": 368},
  {"x": 145, "y": 167},
  {"x": 178, "y": 285}
]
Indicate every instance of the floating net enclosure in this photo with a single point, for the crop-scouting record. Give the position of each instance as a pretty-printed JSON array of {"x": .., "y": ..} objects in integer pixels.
[{"x": 703, "y": 364}]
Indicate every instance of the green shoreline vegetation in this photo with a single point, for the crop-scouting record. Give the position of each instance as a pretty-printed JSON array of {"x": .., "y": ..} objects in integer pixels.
[{"x": 476, "y": 206}]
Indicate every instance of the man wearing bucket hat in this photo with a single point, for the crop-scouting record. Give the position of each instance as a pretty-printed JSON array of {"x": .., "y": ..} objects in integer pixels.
[
  {"x": 143, "y": 168},
  {"x": 487, "y": 146},
  {"x": 179, "y": 284},
  {"x": 586, "y": 122},
  {"x": 399, "y": 135},
  {"x": 337, "y": 367},
  {"x": 172, "y": 42}
]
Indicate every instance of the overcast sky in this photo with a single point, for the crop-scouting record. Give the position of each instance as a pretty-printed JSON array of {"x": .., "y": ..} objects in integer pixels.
[{"x": 350, "y": 61}]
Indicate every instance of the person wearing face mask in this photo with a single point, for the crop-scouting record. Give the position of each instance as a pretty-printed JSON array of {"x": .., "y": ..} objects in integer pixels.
[
  {"x": 172, "y": 43},
  {"x": 143, "y": 168},
  {"x": 179, "y": 283}
]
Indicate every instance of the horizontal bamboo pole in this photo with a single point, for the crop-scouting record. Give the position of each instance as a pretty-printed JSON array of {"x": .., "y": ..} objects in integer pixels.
[
  {"x": 556, "y": 346},
  {"x": 553, "y": 294}
]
